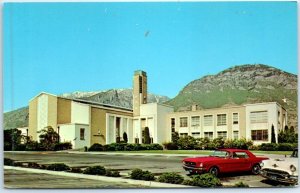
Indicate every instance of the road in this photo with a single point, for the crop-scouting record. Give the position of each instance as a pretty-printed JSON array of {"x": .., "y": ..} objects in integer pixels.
[{"x": 157, "y": 164}]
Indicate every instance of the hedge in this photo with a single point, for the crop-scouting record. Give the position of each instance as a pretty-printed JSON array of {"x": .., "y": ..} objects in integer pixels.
[
  {"x": 124, "y": 147},
  {"x": 95, "y": 170},
  {"x": 277, "y": 146},
  {"x": 58, "y": 167},
  {"x": 171, "y": 177},
  {"x": 139, "y": 174},
  {"x": 204, "y": 180}
]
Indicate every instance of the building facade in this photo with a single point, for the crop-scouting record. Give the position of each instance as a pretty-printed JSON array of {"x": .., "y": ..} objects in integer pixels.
[{"x": 84, "y": 123}]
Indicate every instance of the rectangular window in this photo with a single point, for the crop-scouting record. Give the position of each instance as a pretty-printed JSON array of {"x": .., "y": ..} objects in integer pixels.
[
  {"x": 259, "y": 135},
  {"x": 209, "y": 135},
  {"x": 173, "y": 124},
  {"x": 235, "y": 118},
  {"x": 208, "y": 120},
  {"x": 140, "y": 84},
  {"x": 136, "y": 140},
  {"x": 196, "y": 134},
  {"x": 183, "y": 121},
  {"x": 183, "y": 134},
  {"x": 235, "y": 134},
  {"x": 259, "y": 117},
  {"x": 222, "y": 134},
  {"x": 221, "y": 119},
  {"x": 81, "y": 133},
  {"x": 195, "y": 121}
]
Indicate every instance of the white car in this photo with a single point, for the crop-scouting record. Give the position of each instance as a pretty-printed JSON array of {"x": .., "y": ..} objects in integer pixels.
[{"x": 281, "y": 170}]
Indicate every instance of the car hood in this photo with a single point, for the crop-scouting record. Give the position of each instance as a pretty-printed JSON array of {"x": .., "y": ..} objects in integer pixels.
[
  {"x": 281, "y": 164},
  {"x": 202, "y": 159}
]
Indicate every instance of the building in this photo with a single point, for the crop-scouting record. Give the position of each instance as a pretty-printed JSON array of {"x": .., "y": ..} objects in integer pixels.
[
  {"x": 84, "y": 123},
  {"x": 250, "y": 121}
]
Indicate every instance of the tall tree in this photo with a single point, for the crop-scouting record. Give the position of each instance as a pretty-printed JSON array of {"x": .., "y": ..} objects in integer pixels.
[
  {"x": 147, "y": 139},
  {"x": 273, "y": 138},
  {"x": 48, "y": 138},
  {"x": 125, "y": 138}
]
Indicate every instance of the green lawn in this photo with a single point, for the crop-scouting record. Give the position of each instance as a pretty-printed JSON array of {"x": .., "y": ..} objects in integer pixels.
[{"x": 200, "y": 152}]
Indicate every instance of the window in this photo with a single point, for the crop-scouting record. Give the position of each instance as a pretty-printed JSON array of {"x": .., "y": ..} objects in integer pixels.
[
  {"x": 196, "y": 134},
  {"x": 183, "y": 122},
  {"x": 81, "y": 133},
  {"x": 221, "y": 119},
  {"x": 222, "y": 134},
  {"x": 259, "y": 117},
  {"x": 140, "y": 84},
  {"x": 173, "y": 124},
  {"x": 259, "y": 135},
  {"x": 195, "y": 121},
  {"x": 208, "y": 120},
  {"x": 209, "y": 135},
  {"x": 235, "y": 118},
  {"x": 240, "y": 155},
  {"x": 183, "y": 134},
  {"x": 136, "y": 140},
  {"x": 235, "y": 134}
]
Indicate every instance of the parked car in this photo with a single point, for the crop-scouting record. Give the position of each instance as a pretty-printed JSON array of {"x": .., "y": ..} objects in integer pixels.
[
  {"x": 224, "y": 161},
  {"x": 281, "y": 170}
]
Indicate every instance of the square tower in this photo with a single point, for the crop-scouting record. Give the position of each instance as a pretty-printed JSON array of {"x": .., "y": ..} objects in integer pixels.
[{"x": 139, "y": 91}]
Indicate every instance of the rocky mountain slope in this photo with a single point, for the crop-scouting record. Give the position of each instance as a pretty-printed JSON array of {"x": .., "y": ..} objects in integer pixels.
[
  {"x": 239, "y": 85},
  {"x": 117, "y": 97}
]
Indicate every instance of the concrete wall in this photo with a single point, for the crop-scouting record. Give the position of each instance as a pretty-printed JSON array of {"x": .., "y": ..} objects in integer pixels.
[
  {"x": 52, "y": 111},
  {"x": 98, "y": 126},
  {"x": 163, "y": 133},
  {"x": 80, "y": 113},
  {"x": 67, "y": 133},
  {"x": 63, "y": 111},
  {"x": 42, "y": 112},
  {"x": 32, "y": 131},
  {"x": 87, "y": 139}
]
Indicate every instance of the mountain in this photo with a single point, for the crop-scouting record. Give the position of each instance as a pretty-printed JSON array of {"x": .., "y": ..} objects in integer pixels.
[
  {"x": 240, "y": 85},
  {"x": 117, "y": 97}
]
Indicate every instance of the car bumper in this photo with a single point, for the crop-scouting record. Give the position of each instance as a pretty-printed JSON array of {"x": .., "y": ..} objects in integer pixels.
[
  {"x": 278, "y": 178},
  {"x": 194, "y": 169}
]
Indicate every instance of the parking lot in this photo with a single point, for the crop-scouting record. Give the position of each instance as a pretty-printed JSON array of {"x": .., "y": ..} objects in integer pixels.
[{"x": 124, "y": 163}]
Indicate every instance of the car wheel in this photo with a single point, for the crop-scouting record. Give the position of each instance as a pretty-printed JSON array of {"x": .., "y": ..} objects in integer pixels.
[
  {"x": 214, "y": 171},
  {"x": 255, "y": 169}
]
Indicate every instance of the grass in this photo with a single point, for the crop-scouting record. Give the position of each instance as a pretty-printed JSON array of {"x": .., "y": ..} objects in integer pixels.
[{"x": 200, "y": 152}]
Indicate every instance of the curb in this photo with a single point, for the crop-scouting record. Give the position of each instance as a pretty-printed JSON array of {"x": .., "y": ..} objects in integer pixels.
[
  {"x": 101, "y": 178},
  {"x": 135, "y": 154}
]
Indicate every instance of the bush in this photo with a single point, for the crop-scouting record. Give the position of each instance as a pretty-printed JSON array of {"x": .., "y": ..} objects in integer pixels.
[
  {"x": 58, "y": 167},
  {"x": 268, "y": 147},
  {"x": 238, "y": 143},
  {"x": 8, "y": 162},
  {"x": 20, "y": 164},
  {"x": 112, "y": 173},
  {"x": 204, "y": 180},
  {"x": 203, "y": 143},
  {"x": 139, "y": 174},
  {"x": 241, "y": 185},
  {"x": 170, "y": 177},
  {"x": 96, "y": 147},
  {"x": 286, "y": 146},
  {"x": 153, "y": 146},
  {"x": 33, "y": 165},
  {"x": 95, "y": 170},
  {"x": 170, "y": 146},
  {"x": 186, "y": 143},
  {"x": 76, "y": 170},
  {"x": 62, "y": 146}
]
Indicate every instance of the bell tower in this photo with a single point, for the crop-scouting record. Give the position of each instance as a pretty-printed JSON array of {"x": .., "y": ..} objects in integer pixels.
[{"x": 139, "y": 91}]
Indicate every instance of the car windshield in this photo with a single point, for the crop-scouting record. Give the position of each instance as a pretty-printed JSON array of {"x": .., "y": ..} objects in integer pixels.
[{"x": 219, "y": 153}]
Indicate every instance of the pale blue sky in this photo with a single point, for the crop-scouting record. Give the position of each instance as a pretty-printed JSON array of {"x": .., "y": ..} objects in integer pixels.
[{"x": 66, "y": 47}]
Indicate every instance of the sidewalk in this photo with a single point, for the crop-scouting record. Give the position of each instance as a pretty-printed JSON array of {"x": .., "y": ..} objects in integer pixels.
[
  {"x": 135, "y": 153},
  {"x": 150, "y": 184}
]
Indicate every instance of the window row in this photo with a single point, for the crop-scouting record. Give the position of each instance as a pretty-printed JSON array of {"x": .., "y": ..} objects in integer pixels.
[
  {"x": 207, "y": 120},
  {"x": 210, "y": 135}
]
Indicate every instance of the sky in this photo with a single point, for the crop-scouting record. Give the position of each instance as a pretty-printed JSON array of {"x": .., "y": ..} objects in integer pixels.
[{"x": 66, "y": 47}]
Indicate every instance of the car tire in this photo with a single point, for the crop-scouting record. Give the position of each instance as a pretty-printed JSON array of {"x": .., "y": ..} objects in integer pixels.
[
  {"x": 214, "y": 171},
  {"x": 255, "y": 169}
]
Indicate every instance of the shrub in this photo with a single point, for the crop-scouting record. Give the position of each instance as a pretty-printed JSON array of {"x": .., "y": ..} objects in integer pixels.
[
  {"x": 8, "y": 162},
  {"x": 203, "y": 143},
  {"x": 170, "y": 177},
  {"x": 62, "y": 146},
  {"x": 286, "y": 146},
  {"x": 238, "y": 143},
  {"x": 18, "y": 164},
  {"x": 241, "y": 185},
  {"x": 112, "y": 173},
  {"x": 204, "y": 180},
  {"x": 58, "y": 167},
  {"x": 268, "y": 147},
  {"x": 153, "y": 146},
  {"x": 96, "y": 147},
  {"x": 218, "y": 142},
  {"x": 170, "y": 146},
  {"x": 139, "y": 174},
  {"x": 33, "y": 165},
  {"x": 95, "y": 170},
  {"x": 76, "y": 170},
  {"x": 186, "y": 143}
]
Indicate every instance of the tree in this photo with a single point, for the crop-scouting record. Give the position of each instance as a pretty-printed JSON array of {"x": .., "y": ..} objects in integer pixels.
[
  {"x": 273, "y": 138},
  {"x": 288, "y": 135},
  {"x": 48, "y": 138},
  {"x": 125, "y": 138},
  {"x": 13, "y": 140},
  {"x": 147, "y": 139},
  {"x": 175, "y": 137}
]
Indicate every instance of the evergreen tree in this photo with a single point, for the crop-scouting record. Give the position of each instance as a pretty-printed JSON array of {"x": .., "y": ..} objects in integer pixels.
[
  {"x": 125, "y": 138},
  {"x": 273, "y": 138},
  {"x": 147, "y": 139}
]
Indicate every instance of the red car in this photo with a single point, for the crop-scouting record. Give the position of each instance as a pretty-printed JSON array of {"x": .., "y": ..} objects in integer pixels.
[{"x": 224, "y": 160}]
